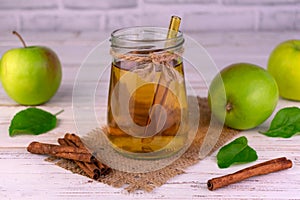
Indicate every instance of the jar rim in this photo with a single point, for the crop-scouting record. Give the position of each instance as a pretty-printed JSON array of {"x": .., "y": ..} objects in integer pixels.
[
  {"x": 145, "y": 38},
  {"x": 121, "y": 32}
]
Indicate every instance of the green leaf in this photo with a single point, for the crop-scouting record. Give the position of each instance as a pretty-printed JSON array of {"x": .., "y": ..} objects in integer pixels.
[
  {"x": 285, "y": 124},
  {"x": 237, "y": 151},
  {"x": 32, "y": 121}
]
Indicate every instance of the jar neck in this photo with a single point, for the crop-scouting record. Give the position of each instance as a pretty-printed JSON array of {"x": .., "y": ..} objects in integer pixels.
[{"x": 145, "y": 40}]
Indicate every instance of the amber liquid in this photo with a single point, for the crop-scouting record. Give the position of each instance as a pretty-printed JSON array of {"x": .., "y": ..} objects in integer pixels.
[{"x": 172, "y": 98}]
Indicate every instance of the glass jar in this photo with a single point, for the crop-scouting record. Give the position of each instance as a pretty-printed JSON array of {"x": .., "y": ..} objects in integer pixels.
[{"x": 147, "y": 103}]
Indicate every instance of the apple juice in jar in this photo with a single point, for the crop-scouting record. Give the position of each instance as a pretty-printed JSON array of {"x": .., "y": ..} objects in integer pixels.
[{"x": 146, "y": 72}]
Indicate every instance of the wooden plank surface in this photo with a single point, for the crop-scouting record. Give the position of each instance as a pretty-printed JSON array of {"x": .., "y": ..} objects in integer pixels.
[{"x": 28, "y": 176}]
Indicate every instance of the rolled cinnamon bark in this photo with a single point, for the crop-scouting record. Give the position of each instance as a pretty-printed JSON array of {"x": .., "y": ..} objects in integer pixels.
[
  {"x": 83, "y": 157},
  {"x": 71, "y": 147},
  {"x": 51, "y": 149},
  {"x": 259, "y": 169},
  {"x": 89, "y": 168},
  {"x": 74, "y": 139},
  {"x": 67, "y": 152},
  {"x": 86, "y": 167},
  {"x": 97, "y": 166},
  {"x": 62, "y": 142},
  {"x": 104, "y": 169}
]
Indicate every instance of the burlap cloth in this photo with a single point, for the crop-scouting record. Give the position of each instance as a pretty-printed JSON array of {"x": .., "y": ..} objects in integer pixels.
[{"x": 151, "y": 180}]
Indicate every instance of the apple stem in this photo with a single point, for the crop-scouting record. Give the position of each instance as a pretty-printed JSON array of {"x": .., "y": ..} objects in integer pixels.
[
  {"x": 228, "y": 107},
  {"x": 59, "y": 112},
  {"x": 20, "y": 37}
]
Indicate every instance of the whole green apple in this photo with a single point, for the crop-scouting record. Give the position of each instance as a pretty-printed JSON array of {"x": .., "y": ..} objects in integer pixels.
[
  {"x": 243, "y": 96},
  {"x": 284, "y": 65},
  {"x": 30, "y": 75}
]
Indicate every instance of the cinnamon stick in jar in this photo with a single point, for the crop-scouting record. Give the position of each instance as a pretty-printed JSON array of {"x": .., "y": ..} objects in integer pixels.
[{"x": 267, "y": 167}]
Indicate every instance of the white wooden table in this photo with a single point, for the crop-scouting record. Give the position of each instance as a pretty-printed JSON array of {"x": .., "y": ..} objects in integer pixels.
[{"x": 27, "y": 176}]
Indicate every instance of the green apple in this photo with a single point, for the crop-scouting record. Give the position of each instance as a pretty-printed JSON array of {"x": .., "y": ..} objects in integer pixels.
[
  {"x": 30, "y": 75},
  {"x": 243, "y": 96},
  {"x": 284, "y": 65}
]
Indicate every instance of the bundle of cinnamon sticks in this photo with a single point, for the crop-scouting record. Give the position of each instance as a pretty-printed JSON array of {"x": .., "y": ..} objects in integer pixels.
[{"x": 71, "y": 147}]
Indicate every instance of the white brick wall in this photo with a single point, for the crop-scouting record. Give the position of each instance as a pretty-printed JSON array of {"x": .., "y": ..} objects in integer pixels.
[
  {"x": 67, "y": 22},
  {"x": 98, "y": 4},
  {"x": 27, "y": 4},
  {"x": 260, "y": 2},
  {"x": 297, "y": 21},
  {"x": 227, "y": 21},
  {"x": 272, "y": 20},
  {"x": 197, "y": 15}
]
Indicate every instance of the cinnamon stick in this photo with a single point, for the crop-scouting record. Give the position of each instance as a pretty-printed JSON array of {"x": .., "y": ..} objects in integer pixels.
[
  {"x": 91, "y": 173},
  {"x": 67, "y": 152},
  {"x": 104, "y": 169},
  {"x": 62, "y": 142},
  {"x": 89, "y": 168},
  {"x": 255, "y": 170},
  {"x": 83, "y": 157},
  {"x": 74, "y": 140},
  {"x": 51, "y": 149},
  {"x": 71, "y": 147}
]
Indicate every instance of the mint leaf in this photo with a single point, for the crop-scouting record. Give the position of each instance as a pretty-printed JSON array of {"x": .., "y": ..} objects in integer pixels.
[
  {"x": 237, "y": 151},
  {"x": 285, "y": 124},
  {"x": 32, "y": 121}
]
